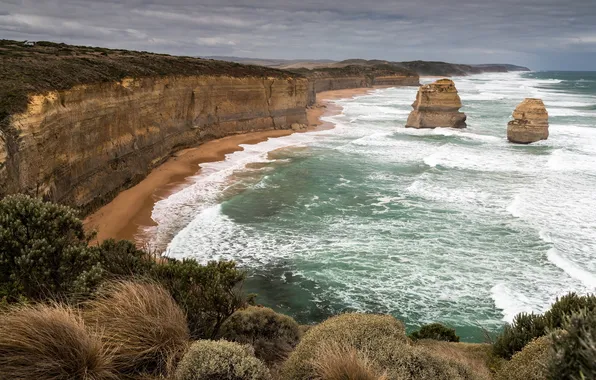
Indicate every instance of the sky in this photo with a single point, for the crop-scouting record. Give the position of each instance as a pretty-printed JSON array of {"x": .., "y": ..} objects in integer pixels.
[{"x": 540, "y": 34}]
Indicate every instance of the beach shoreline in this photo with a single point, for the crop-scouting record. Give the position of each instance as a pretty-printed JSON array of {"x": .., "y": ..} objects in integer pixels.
[{"x": 130, "y": 211}]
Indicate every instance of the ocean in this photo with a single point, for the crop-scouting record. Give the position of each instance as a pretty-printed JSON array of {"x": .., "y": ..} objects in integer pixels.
[{"x": 452, "y": 226}]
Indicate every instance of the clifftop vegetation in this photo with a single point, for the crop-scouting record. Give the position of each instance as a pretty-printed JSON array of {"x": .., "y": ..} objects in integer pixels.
[
  {"x": 44, "y": 66},
  {"x": 126, "y": 314},
  {"x": 380, "y": 69}
]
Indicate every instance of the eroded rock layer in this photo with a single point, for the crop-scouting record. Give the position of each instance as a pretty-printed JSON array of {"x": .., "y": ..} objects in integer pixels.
[
  {"x": 437, "y": 106},
  {"x": 530, "y": 122},
  {"x": 83, "y": 145}
]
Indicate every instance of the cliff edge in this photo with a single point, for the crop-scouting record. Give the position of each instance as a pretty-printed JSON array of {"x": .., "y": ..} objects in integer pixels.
[{"x": 79, "y": 124}]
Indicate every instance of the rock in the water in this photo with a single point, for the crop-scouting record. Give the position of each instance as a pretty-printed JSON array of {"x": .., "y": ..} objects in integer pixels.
[
  {"x": 530, "y": 122},
  {"x": 437, "y": 106}
]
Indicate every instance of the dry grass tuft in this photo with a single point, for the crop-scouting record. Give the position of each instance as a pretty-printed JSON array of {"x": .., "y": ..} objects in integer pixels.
[
  {"x": 383, "y": 339},
  {"x": 142, "y": 324},
  {"x": 336, "y": 362},
  {"x": 50, "y": 343},
  {"x": 531, "y": 363},
  {"x": 477, "y": 357}
]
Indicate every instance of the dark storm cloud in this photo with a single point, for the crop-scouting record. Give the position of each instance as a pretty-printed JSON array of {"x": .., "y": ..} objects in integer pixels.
[{"x": 538, "y": 33}]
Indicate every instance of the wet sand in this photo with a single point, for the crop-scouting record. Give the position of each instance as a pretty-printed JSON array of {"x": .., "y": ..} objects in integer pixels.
[{"x": 130, "y": 211}]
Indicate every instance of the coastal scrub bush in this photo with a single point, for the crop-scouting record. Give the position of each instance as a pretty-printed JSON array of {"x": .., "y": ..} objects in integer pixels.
[
  {"x": 531, "y": 363},
  {"x": 435, "y": 331},
  {"x": 209, "y": 294},
  {"x": 566, "y": 306},
  {"x": 50, "y": 343},
  {"x": 121, "y": 259},
  {"x": 221, "y": 360},
  {"x": 575, "y": 350},
  {"x": 382, "y": 339},
  {"x": 43, "y": 251},
  {"x": 335, "y": 362},
  {"x": 143, "y": 326},
  {"x": 272, "y": 335},
  {"x": 524, "y": 329}
]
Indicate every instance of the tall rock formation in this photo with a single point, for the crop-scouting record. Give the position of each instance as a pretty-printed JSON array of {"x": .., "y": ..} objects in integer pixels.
[
  {"x": 437, "y": 106},
  {"x": 530, "y": 122}
]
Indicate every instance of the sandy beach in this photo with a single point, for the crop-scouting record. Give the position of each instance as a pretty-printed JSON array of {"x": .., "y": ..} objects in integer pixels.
[{"x": 123, "y": 217}]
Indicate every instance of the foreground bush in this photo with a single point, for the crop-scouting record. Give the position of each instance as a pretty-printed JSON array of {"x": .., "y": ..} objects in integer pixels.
[
  {"x": 121, "y": 259},
  {"x": 381, "y": 338},
  {"x": 575, "y": 350},
  {"x": 435, "y": 331},
  {"x": 566, "y": 306},
  {"x": 142, "y": 325},
  {"x": 527, "y": 327},
  {"x": 220, "y": 360},
  {"x": 272, "y": 335},
  {"x": 524, "y": 329},
  {"x": 335, "y": 362},
  {"x": 50, "y": 343},
  {"x": 531, "y": 363},
  {"x": 43, "y": 251},
  {"x": 209, "y": 294}
]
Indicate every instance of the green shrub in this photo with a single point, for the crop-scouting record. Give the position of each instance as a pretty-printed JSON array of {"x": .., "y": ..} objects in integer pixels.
[
  {"x": 575, "y": 350},
  {"x": 527, "y": 327},
  {"x": 220, "y": 360},
  {"x": 381, "y": 338},
  {"x": 531, "y": 363},
  {"x": 121, "y": 259},
  {"x": 43, "y": 251},
  {"x": 524, "y": 329},
  {"x": 435, "y": 331},
  {"x": 271, "y": 334},
  {"x": 208, "y": 294},
  {"x": 142, "y": 325},
  {"x": 50, "y": 343},
  {"x": 566, "y": 306}
]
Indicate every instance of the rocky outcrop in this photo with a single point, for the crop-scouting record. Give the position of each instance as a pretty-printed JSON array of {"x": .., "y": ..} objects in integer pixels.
[
  {"x": 530, "y": 122},
  {"x": 437, "y": 106},
  {"x": 83, "y": 145}
]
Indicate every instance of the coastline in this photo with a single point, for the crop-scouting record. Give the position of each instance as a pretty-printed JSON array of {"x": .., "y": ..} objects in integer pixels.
[{"x": 131, "y": 210}]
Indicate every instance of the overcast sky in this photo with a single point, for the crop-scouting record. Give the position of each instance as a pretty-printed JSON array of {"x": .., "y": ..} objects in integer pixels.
[{"x": 542, "y": 34}]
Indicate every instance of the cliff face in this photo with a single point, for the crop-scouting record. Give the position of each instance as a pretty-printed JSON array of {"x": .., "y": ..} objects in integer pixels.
[
  {"x": 82, "y": 145},
  {"x": 437, "y": 105},
  {"x": 356, "y": 76},
  {"x": 530, "y": 122}
]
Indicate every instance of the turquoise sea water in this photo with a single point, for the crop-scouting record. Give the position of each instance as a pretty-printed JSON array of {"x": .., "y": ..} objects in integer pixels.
[{"x": 452, "y": 226}]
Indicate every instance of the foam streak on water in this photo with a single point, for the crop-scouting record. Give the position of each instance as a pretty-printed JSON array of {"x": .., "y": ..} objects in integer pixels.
[{"x": 455, "y": 226}]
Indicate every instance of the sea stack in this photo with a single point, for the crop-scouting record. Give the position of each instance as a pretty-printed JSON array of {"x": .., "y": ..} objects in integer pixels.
[
  {"x": 437, "y": 106},
  {"x": 530, "y": 122}
]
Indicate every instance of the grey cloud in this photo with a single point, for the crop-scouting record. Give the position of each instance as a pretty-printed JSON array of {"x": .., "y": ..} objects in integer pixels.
[{"x": 542, "y": 34}]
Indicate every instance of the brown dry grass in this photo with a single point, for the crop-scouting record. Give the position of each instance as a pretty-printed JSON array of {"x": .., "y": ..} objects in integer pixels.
[
  {"x": 337, "y": 362},
  {"x": 477, "y": 357},
  {"x": 50, "y": 343},
  {"x": 143, "y": 325}
]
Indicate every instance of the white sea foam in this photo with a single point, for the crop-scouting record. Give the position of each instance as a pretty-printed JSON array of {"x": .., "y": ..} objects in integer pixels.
[
  {"x": 587, "y": 278},
  {"x": 429, "y": 225},
  {"x": 510, "y": 301}
]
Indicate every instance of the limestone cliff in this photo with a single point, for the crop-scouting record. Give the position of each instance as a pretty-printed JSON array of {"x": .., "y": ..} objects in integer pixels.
[
  {"x": 437, "y": 105},
  {"x": 530, "y": 122},
  {"x": 83, "y": 144},
  {"x": 340, "y": 78}
]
